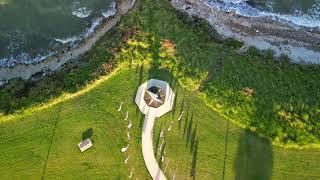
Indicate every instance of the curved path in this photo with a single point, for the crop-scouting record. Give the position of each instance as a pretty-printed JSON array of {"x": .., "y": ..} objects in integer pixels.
[{"x": 147, "y": 147}]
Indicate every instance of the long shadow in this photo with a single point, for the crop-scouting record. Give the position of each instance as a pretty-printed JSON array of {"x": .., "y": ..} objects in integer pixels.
[
  {"x": 140, "y": 71},
  {"x": 87, "y": 134},
  {"x": 173, "y": 82},
  {"x": 51, "y": 140},
  {"x": 189, "y": 130},
  {"x": 186, "y": 121},
  {"x": 175, "y": 102},
  {"x": 161, "y": 74},
  {"x": 194, "y": 159},
  {"x": 140, "y": 78},
  {"x": 181, "y": 110},
  {"x": 254, "y": 158},
  {"x": 225, "y": 150},
  {"x": 193, "y": 137},
  {"x": 154, "y": 42}
]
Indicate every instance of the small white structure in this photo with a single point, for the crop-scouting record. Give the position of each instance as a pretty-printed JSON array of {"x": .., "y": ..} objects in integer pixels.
[
  {"x": 154, "y": 99},
  {"x": 131, "y": 173},
  {"x": 85, "y": 144},
  {"x": 124, "y": 149},
  {"x": 126, "y": 160},
  {"x": 130, "y": 125},
  {"x": 127, "y": 115},
  {"x": 120, "y": 107},
  {"x": 179, "y": 118}
]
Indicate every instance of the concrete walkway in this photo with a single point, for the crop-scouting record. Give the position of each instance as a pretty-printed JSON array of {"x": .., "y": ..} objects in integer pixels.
[{"x": 147, "y": 147}]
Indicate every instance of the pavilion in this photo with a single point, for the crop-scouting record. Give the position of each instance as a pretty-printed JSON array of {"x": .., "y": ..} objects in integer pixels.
[{"x": 154, "y": 99}]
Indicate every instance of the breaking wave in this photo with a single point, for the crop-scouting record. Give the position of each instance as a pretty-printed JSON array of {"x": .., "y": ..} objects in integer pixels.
[
  {"x": 110, "y": 11},
  {"x": 311, "y": 18},
  {"x": 26, "y": 58},
  {"x": 81, "y": 12},
  {"x": 67, "y": 40}
]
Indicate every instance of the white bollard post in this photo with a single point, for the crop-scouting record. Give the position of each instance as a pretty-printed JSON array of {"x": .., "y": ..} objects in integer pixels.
[
  {"x": 120, "y": 107},
  {"x": 124, "y": 149},
  {"x": 129, "y": 125},
  {"x": 127, "y": 115}
]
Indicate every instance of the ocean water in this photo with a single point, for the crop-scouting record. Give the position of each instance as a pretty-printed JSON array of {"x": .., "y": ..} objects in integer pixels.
[
  {"x": 31, "y": 30},
  {"x": 296, "y": 12}
]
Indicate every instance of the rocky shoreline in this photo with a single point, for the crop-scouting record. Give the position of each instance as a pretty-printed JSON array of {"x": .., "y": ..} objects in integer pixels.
[
  {"x": 55, "y": 62},
  {"x": 301, "y": 45}
]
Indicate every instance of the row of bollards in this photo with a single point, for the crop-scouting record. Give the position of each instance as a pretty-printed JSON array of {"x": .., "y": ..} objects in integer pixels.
[
  {"x": 162, "y": 135},
  {"x": 124, "y": 149}
]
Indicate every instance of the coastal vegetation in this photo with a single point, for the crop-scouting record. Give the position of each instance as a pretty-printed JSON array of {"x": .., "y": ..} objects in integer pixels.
[
  {"x": 273, "y": 97},
  {"x": 202, "y": 145},
  {"x": 42, "y": 121}
]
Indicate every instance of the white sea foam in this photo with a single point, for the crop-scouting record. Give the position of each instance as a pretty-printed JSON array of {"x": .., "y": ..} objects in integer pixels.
[
  {"x": 68, "y": 40},
  {"x": 79, "y": 11},
  {"x": 82, "y": 12},
  {"x": 234, "y": 1},
  {"x": 96, "y": 22},
  {"x": 310, "y": 19},
  {"x": 302, "y": 20},
  {"x": 110, "y": 11},
  {"x": 40, "y": 58},
  {"x": 7, "y": 62},
  {"x": 25, "y": 58}
]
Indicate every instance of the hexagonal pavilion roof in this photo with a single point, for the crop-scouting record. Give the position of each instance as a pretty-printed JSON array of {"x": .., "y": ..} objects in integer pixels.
[{"x": 155, "y": 97}]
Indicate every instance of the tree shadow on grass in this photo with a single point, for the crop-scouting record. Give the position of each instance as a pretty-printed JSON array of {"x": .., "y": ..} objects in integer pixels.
[
  {"x": 181, "y": 110},
  {"x": 154, "y": 42},
  {"x": 186, "y": 121},
  {"x": 193, "y": 138},
  {"x": 254, "y": 158},
  {"x": 194, "y": 158},
  {"x": 140, "y": 75},
  {"x": 87, "y": 134},
  {"x": 139, "y": 72},
  {"x": 175, "y": 101},
  {"x": 189, "y": 130}
]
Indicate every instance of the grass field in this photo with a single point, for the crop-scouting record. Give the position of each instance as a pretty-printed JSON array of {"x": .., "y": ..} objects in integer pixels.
[
  {"x": 42, "y": 122},
  {"x": 283, "y": 104},
  {"x": 44, "y": 144}
]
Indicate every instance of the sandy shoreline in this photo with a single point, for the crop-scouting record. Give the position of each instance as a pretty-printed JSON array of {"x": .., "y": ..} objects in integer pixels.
[
  {"x": 53, "y": 63},
  {"x": 300, "y": 45}
]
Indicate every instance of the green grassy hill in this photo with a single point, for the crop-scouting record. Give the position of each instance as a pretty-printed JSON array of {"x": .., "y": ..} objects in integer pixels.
[
  {"x": 42, "y": 122},
  {"x": 273, "y": 97},
  {"x": 45, "y": 143}
]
